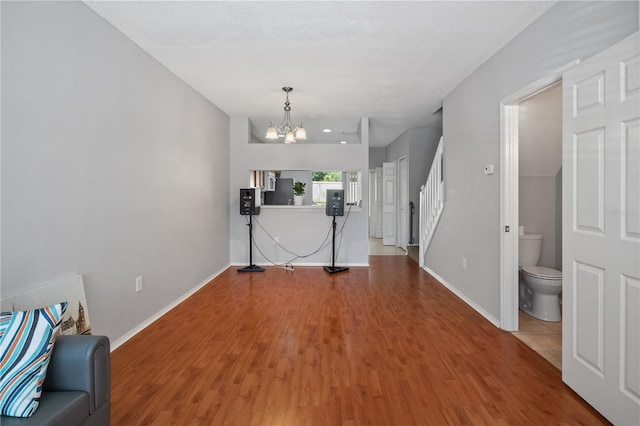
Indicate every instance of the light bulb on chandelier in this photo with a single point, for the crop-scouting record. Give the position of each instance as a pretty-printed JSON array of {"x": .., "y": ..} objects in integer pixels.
[{"x": 291, "y": 133}]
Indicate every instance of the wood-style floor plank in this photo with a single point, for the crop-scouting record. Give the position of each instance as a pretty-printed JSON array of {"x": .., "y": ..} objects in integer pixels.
[{"x": 384, "y": 345}]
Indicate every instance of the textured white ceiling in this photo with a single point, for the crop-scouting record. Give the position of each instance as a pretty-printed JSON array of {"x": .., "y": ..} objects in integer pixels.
[{"x": 392, "y": 61}]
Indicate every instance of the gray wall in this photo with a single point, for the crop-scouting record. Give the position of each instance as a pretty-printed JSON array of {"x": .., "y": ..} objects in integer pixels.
[
  {"x": 376, "y": 157},
  {"x": 399, "y": 147},
  {"x": 111, "y": 167},
  {"x": 470, "y": 224}
]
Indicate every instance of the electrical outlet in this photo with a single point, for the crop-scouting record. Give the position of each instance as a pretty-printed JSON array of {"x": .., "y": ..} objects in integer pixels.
[
  {"x": 138, "y": 284},
  {"x": 464, "y": 263},
  {"x": 489, "y": 169}
]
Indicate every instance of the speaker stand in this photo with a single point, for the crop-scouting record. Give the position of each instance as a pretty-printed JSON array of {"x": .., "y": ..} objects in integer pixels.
[
  {"x": 251, "y": 267},
  {"x": 333, "y": 269}
]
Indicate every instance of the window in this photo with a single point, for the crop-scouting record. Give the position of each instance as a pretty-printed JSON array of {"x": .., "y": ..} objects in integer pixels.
[
  {"x": 352, "y": 185},
  {"x": 350, "y": 181},
  {"x": 318, "y": 182}
]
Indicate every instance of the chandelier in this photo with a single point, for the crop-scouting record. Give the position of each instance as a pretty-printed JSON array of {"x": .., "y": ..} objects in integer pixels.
[{"x": 291, "y": 133}]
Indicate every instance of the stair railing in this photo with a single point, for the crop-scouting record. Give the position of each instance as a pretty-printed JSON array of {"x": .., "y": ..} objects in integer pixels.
[{"x": 431, "y": 202}]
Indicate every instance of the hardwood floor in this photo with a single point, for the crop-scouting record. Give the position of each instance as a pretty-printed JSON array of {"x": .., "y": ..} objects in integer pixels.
[{"x": 385, "y": 345}]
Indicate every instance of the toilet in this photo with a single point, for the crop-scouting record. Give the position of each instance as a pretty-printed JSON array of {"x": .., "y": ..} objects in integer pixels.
[{"x": 539, "y": 285}]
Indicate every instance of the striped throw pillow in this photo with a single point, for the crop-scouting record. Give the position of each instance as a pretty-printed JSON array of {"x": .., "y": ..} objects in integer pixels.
[{"x": 26, "y": 341}]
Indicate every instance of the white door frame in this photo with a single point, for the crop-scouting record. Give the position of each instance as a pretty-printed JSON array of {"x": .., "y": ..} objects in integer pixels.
[
  {"x": 509, "y": 195},
  {"x": 373, "y": 216},
  {"x": 379, "y": 202},
  {"x": 402, "y": 218}
]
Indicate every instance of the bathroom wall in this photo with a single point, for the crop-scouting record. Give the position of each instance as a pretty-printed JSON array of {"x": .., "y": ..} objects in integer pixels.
[{"x": 538, "y": 213}]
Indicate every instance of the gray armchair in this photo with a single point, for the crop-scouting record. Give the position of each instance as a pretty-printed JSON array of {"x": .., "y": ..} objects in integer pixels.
[{"x": 77, "y": 389}]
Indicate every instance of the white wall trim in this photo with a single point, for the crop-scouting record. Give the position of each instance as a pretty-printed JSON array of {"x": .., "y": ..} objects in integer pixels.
[
  {"x": 509, "y": 208},
  {"x": 509, "y": 194},
  {"x": 464, "y": 298},
  {"x": 146, "y": 323},
  {"x": 400, "y": 190}
]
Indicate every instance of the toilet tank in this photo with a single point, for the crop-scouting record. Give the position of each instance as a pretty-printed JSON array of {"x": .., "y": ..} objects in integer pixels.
[{"x": 529, "y": 249}]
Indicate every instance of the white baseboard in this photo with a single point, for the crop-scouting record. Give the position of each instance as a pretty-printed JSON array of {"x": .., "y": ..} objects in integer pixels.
[
  {"x": 464, "y": 298},
  {"x": 320, "y": 265},
  {"x": 137, "y": 329}
]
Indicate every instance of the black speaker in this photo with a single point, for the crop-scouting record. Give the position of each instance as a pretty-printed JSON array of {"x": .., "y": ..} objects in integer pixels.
[
  {"x": 250, "y": 201},
  {"x": 335, "y": 202}
]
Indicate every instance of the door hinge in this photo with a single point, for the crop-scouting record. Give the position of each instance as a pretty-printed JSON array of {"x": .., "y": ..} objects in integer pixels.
[{"x": 506, "y": 228}]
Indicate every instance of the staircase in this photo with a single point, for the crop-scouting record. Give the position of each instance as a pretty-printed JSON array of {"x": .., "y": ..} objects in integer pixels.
[{"x": 431, "y": 202}]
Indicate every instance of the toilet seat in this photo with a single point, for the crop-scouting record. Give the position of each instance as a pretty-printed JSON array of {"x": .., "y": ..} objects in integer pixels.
[{"x": 542, "y": 272}]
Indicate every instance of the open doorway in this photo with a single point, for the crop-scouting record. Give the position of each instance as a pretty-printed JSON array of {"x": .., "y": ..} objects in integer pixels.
[
  {"x": 384, "y": 229},
  {"x": 540, "y": 221},
  {"x": 526, "y": 115},
  {"x": 599, "y": 155},
  {"x": 377, "y": 217}
]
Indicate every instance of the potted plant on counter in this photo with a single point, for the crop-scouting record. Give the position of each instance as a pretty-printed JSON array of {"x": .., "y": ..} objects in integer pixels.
[{"x": 298, "y": 193}]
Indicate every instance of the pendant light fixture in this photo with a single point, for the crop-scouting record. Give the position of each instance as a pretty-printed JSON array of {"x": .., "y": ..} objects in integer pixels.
[{"x": 291, "y": 133}]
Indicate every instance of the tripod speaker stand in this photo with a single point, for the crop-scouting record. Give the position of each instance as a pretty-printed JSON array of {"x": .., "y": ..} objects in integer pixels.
[
  {"x": 335, "y": 207},
  {"x": 333, "y": 269},
  {"x": 250, "y": 205},
  {"x": 251, "y": 267}
]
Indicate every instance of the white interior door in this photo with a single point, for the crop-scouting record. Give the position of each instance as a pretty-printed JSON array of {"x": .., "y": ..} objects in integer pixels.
[
  {"x": 378, "y": 202},
  {"x": 372, "y": 204},
  {"x": 389, "y": 204},
  {"x": 601, "y": 231},
  {"x": 403, "y": 201}
]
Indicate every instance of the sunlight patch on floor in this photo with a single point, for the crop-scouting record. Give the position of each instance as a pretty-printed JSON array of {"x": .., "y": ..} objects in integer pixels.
[{"x": 376, "y": 248}]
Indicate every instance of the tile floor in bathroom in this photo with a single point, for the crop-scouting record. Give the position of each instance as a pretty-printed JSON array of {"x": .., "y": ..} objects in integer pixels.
[{"x": 541, "y": 336}]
